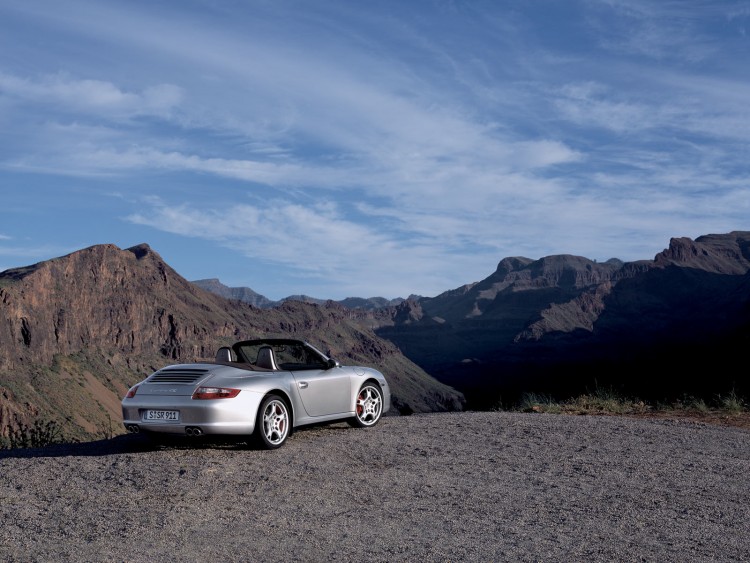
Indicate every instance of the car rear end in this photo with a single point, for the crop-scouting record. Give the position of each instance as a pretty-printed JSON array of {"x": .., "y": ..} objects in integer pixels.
[{"x": 191, "y": 399}]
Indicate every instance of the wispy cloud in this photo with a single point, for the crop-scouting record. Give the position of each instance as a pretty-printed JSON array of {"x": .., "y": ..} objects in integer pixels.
[
  {"x": 88, "y": 96},
  {"x": 662, "y": 30},
  {"x": 317, "y": 242},
  {"x": 438, "y": 137}
]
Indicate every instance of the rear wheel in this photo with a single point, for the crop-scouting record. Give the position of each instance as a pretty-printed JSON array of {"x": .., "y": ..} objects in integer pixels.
[
  {"x": 272, "y": 423},
  {"x": 369, "y": 406}
]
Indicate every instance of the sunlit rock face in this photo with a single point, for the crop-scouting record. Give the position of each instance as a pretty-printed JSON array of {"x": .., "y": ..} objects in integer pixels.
[{"x": 77, "y": 331}]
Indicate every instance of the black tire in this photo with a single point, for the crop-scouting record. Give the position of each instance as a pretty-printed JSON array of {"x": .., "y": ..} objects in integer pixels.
[
  {"x": 368, "y": 408},
  {"x": 273, "y": 423}
]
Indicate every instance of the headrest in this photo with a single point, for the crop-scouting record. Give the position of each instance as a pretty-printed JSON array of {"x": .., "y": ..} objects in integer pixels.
[{"x": 225, "y": 354}]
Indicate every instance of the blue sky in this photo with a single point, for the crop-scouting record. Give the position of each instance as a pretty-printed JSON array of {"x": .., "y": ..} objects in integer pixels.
[{"x": 351, "y": 148}]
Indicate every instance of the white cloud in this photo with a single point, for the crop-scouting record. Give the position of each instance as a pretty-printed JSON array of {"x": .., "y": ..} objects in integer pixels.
[
  {"x": 316, "y": 241},
  {"x": 89, "y": 96}
]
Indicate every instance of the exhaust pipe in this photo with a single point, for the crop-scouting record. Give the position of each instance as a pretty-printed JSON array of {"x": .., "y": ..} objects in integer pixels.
[
  {"x": 193, "y": 431},
  {"x": 133, "y": 428}
]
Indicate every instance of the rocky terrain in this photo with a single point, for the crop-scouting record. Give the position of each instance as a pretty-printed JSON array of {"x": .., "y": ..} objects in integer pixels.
[{"x": 431, "y": 487}]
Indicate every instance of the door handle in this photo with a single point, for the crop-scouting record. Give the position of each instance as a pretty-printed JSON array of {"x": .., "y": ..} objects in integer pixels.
[{"x": 302, "y": 384}]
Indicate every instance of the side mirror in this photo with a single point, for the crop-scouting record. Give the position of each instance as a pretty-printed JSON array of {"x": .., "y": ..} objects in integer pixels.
[{"x": 331, "y": 363}]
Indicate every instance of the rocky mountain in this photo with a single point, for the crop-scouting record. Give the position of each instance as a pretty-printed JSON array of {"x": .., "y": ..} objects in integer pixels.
[
  {"x": 77, "y": 331},
  {"x": 247, "y": 295},
  {"x": 564, "y": 324}
]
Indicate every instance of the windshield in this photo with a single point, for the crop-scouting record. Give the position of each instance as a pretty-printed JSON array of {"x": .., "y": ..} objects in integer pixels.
[{"x": 288, "y": 355}]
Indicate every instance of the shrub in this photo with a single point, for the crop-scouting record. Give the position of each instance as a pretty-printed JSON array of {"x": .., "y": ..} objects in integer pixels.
[
  {"x": 532, "y": 402},
  {"x": 38, "y": 435},
  {"x": 610, "y": 401},
  {"x": 732, "y": 403}
]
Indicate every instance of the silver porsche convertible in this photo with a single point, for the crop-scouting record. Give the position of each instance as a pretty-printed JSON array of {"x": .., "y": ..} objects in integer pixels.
[{"x": 260, "y": 388}]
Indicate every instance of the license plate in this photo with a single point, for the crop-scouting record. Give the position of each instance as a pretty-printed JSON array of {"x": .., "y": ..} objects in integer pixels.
[{"x": 170, "y": 416}]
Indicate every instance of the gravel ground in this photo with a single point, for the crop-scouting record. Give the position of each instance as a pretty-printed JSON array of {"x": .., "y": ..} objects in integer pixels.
[{"x": 438, "y": 487}]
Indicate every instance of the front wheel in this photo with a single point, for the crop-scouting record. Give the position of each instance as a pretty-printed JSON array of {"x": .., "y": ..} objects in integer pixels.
[
  {"x": 369, "y": 406},
  {"x": 272, "y": 423}
]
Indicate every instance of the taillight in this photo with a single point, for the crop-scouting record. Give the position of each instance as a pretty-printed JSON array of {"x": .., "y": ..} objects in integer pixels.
[
  {"x": 131, "y": 392},
  {"x": 215, "y": 393}
]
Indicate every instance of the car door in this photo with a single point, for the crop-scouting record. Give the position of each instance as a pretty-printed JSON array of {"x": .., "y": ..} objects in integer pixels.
[{"x": 324, "y": 392}]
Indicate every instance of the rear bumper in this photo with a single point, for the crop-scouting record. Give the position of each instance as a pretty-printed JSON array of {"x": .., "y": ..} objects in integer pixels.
[{"x": 213, "y": 416}]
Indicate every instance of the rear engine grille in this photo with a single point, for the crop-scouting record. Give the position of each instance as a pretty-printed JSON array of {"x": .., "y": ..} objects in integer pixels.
[{"x": 180, "y": 375}]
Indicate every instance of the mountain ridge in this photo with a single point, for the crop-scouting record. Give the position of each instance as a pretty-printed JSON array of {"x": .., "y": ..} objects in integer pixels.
[
  {"x": 78, "y": 330},
  {"x": 566, "y": 323},
  {"x": 248, "y": 295}
]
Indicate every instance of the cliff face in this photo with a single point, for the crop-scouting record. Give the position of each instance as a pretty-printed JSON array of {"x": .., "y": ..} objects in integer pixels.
[
  {"x": 129, "y": 302},
  {"x": 77, "y": 331}
]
